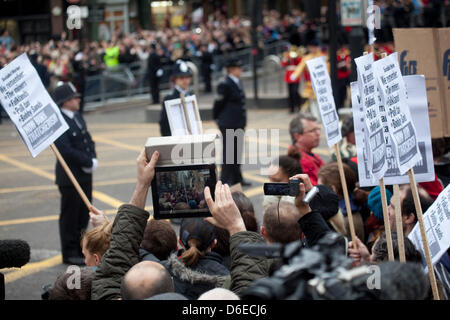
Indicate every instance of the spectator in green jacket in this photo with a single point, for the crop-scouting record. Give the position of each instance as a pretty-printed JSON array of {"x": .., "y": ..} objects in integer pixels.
[{"x": 120, "y": 275}]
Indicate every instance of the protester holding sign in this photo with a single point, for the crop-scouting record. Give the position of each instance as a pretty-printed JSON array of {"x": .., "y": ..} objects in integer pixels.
[{"x": 78, "y": 150}]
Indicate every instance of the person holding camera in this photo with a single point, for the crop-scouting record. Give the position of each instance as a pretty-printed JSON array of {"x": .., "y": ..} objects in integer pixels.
[
  {"x": 120, "y": 275},
  {"x": 230, "y": 114},
  {"x": 225, "y": 214}
]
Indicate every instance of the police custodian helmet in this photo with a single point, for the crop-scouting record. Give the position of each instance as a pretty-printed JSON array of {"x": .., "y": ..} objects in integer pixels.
[
  {"x": 64, "y": 92},
  {"x": 181, "y": 69}
]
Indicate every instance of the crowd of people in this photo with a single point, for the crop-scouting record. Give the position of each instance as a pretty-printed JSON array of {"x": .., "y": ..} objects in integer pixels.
[
  {"x": 181, "y": 199},
  {"x": 143, "y": 260},
  {"x": 135, "y": 257}
]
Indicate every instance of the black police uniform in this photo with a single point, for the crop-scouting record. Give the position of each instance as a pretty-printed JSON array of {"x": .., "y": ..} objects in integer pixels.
[
  {"x": 230, "y": 113},
  {"x": 153, "y": 65},
  {"x": 205, "y": 67},
  {"x": 78, "y": 150},
  {"x": 178, "y": 70}
]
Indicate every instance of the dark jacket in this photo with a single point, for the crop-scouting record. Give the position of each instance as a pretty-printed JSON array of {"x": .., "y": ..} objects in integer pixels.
[
  {"x": 164, "y": 121},
  {"x": 314, "y": 227},
  {"x": 123, "y": 253},
  {"x": 229, "y": 108},
  {"x": 207, "y": 274},
  {"x": 144, "y": 255},
  {"x": 245, "y": 269},
  {"x": 153, "y": 64},
  {"x": 77, "y": 149}
]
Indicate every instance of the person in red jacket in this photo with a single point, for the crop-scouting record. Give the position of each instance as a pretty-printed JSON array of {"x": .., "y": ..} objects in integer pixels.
[
  {"x": 289, "y": 62},
  {"x": 305, "y": 135},
  {"x": 343, "y": 75}
]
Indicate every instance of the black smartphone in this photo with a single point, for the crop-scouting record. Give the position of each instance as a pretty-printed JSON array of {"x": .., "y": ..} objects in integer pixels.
[{"x": 282, "y": 188}]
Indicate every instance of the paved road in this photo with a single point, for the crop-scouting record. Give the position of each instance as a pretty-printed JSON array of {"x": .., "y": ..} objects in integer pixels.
[{"x": 29, "y": 199}]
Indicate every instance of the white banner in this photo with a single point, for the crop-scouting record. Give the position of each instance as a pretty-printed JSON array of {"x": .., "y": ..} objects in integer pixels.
[
  {"x": 30, "y": 107},
  {"x": 437, "y": 228},
  {"x": 373, "y": 130},
  {"x": 401, "y": 127},
  {"x": 324, "y": 93},
  {"x": 417, "y": 102}
]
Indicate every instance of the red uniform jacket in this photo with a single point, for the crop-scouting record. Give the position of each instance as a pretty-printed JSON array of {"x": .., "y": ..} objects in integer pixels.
[{"x": 290, "y": 65}]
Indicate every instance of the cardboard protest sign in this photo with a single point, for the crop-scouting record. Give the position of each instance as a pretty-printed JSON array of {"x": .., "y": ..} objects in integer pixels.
[
  {"x": 437, "y": 226},
  {"x": 322, "y": 87},
  {"x": 373, "y": 130},
  {"x": 430, "y": 58},
  {"x": 417, "y": 102},
  {"x": 184, "y": 116},
  {"x": 444, "y": 65},
  {"x": 30, "y": 107},
  {"x": 401, "y": 128}
]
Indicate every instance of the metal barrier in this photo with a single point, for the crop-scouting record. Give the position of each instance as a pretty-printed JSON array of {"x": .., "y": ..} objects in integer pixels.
[
  {"x": 129, "y": 80},
  {"x": 272, "y": 69}
]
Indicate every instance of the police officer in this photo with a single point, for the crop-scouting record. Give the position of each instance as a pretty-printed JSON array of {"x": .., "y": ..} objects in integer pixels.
[
  {"x": 206, "y": 66},
  {"x": 181, "y": 77},
  {"x": 230, "y": 114},
  {"x": 154, "y": 72},
  {"x": 78, "y": 150}
]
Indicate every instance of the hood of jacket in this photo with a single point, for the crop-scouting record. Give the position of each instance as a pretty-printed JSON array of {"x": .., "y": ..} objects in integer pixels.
[{"x": 190, "y": 275}]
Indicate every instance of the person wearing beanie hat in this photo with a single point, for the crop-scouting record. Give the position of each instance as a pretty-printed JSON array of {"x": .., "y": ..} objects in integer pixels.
[
  {"x": 375, "y": 222},
  {"x": 374, "y": 202},
  {"x": 78, "y": 150},
  {"x": 197, "y": 269},
  {"x": 181, "y": 77}
]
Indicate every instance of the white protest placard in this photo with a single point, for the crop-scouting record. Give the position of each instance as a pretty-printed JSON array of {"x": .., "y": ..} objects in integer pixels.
[
  {"x": 437, "y": 227},
  {"x": 373, "y": 130},
  {"x": 417, "y": 102},
  {"x": 30, "y": 107},
  {"x": 182, "y": 122},
  {"x": 401, "y": 127},
  {"x": 322, "y": 87}
]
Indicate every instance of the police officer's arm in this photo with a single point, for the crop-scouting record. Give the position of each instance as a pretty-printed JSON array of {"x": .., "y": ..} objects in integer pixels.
[{"x": 219, "y": 102}]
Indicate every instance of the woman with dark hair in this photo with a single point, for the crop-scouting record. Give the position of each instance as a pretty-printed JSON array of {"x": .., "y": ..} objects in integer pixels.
[
  {"x": 329, "y": 175},
  {"x": 197, "y": 269},
  {"x": 247, "y": 211}
]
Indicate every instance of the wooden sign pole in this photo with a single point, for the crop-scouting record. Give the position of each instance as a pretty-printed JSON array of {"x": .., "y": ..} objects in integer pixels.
[
  {"x": 71, "y": 177},
  {"x": 346, "y": 197},
  {"x": 387, "y": 227},
  {"x": 399, "y": 223},
  {"x": 415, "y": 193}
]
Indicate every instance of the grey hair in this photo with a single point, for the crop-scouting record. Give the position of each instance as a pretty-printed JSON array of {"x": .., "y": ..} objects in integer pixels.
[{"x": 296, "y": 125}]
